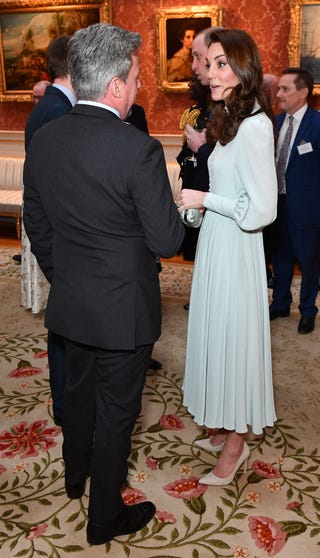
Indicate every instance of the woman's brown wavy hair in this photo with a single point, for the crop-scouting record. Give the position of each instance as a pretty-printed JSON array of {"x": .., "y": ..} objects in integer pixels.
[{"x": 244, "y": 59}]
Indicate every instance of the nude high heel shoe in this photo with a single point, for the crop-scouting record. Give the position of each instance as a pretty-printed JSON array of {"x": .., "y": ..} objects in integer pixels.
[
  {"x": 212, "y": 480},
  {"x": 205, "y": 444}
]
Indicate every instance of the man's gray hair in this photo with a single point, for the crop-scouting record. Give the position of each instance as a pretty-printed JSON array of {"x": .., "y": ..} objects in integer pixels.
[{"x": 97, "y": 54}]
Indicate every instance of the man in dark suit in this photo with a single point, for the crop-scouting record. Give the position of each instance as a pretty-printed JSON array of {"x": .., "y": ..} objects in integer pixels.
[
  {"x": 98, "y": 207},
  {"x": 137, "y": 117},
  {"x": 58, "y": 99},
  {"x": 296, "y": 231},
  {"x": 194, "y": 166},
  {"x": 193, "y": 157},
  {"x": 270, "y": 84},
  {"x": 38, "y": 91}
]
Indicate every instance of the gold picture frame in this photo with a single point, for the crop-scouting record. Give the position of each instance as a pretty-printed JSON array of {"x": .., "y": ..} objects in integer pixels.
[
  {"x": 170, "y": 22},
  {"x": 26, "y": 28},
  {"x": 304, "y": 41}
]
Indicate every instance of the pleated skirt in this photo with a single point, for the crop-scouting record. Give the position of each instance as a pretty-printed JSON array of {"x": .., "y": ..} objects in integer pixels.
[{"x": 228, "y": 374}]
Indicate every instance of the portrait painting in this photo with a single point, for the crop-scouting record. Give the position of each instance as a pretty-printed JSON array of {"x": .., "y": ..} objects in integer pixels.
[
  {"x": 180, "y": 35},
  {"x": 176, "y": 30},
  {"x": 24, "y": 38}
]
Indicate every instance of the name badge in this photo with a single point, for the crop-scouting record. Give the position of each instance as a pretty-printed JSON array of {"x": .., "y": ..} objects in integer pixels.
[{"x": 304, "y": 148}]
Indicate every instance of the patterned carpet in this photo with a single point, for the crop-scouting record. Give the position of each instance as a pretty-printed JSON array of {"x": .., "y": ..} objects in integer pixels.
[{"x": 273, "y": 509}]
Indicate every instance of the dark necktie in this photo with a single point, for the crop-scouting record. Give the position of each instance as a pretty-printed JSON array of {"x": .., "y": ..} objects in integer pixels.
[{"x": 283, "y": 157}]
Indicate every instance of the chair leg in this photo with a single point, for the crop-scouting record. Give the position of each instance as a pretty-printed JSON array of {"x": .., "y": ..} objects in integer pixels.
[{"x": 18, "y": 226}]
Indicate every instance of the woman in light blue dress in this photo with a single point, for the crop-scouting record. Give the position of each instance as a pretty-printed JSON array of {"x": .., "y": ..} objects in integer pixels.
[{"x": 228, "y": 377}]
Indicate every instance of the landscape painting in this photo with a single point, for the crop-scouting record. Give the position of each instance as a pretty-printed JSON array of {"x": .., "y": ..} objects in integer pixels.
[
  {"x": 24, "y": 40},
  {"x": 26, "y": 29}
]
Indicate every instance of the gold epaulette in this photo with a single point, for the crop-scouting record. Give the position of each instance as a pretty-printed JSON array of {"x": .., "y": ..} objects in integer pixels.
[{"x": 190, "y": 117}]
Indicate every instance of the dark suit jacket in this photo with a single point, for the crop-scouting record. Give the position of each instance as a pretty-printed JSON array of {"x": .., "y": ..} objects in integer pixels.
[
  {"x": 303, "y": 173},
  {"x": 196, "y": 177},
  {"x": 97, "y": 207},
  {"x": 53, "y": 104},
  {"x": 137, "y": 117}
]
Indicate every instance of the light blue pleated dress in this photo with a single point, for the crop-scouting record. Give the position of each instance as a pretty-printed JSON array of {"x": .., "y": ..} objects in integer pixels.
[{"x": 228, "y": 376}]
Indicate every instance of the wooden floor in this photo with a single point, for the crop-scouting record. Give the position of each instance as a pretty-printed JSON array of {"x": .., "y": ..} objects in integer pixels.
[{"x": 8, "y": 234}]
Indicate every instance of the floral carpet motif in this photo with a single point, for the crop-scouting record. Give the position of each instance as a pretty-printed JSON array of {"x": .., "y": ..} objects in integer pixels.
[
  {"x": 271, "y": 510},
  {"x": 8, "y": 267}
]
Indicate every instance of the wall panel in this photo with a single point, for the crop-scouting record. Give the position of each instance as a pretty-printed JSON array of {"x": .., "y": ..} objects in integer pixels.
[{"x": 268, "y": 21}]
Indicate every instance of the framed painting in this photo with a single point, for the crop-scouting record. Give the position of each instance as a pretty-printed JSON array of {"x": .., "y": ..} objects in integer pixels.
[
  {"x": 304, "y": 41},
  {"x": 176, "y": 29},
  {"x": 26, "y": 28}
]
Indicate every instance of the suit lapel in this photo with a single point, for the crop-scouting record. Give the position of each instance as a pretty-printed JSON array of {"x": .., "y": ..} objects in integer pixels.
[
  {"x": 280, "y": 120},
  {"x": 301, "y": 134}
]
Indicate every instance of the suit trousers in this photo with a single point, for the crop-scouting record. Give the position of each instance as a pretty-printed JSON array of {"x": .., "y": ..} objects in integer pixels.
[
  {"x": 101, "y": 405},
  {"x": 57, "y": 360},
  {"x": 290, "y": 245},
  {"x": 189, "y": 245}
]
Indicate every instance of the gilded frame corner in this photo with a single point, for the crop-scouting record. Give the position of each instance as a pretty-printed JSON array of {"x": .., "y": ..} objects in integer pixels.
[
  {"x": 19, "y": 67},
  {"x": 210, "y": 15},
  {"x": 304, "y": 40}
]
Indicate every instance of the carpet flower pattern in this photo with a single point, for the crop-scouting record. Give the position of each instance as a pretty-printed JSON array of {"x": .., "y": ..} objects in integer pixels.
[{"x": 272, "y": 510}]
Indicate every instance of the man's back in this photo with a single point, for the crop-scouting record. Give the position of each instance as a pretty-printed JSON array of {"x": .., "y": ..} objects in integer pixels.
[
  {"x": 96, "y": 196},
  {"x": 52, "y": 105}
]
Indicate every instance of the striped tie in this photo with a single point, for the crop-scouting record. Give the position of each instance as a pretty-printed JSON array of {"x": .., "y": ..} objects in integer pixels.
[{"x": 283, "y": 157}]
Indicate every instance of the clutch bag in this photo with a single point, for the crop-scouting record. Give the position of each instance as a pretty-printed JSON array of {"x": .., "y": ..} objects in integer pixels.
[{"x": 192, "y": 217}]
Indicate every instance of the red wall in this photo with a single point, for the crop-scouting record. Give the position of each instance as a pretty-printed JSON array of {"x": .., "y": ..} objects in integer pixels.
[{"x": 268, "y": 21}]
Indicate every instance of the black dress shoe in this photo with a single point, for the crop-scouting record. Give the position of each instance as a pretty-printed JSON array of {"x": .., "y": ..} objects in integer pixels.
[
  {"x": 75, "y": 491},
  {"x": 154, "y": 364},
  {"x": 17, "y": 258},
  {"x": 131, "y": 519},
  {"x": 306, "y": 325},
  {"x": 274, "y": 313},
  {"x": 186, "y": 306}
]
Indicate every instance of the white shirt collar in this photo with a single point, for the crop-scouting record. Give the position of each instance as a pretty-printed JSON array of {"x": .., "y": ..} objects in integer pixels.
[
  {"x": 299, "y": 114},
  {"x": 71, "y": 96},
  {"x": 101, "y": 105}
]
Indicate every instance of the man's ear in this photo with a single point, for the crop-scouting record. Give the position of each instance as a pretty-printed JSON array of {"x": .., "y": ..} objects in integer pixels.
[
  {"x": 115, "y": 87},
  {"x": 304, "y": 92}
]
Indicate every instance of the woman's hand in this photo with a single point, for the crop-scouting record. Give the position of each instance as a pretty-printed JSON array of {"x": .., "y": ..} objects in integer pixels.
[{"x": 191, "y": 199}]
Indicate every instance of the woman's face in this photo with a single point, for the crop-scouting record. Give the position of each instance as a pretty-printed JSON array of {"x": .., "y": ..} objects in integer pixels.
[
  {"x": 188, "y": 38},
  {"x": 221, "y": 77}
]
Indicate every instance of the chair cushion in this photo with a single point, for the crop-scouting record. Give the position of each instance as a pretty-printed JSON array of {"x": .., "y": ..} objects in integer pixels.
[
  {"x": 11, "y": 173},
  {"x": 10, "y": 201}
]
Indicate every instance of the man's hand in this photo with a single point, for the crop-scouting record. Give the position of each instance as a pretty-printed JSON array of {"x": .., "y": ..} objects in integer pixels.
[{"x": 194, "y": 138}]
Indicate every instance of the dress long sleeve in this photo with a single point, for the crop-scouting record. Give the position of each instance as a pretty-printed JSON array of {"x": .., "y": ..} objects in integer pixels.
[{"x": 254, "y": 175}]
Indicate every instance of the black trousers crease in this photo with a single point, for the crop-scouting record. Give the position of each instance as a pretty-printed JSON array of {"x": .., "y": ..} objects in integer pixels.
[{"x": 102, "y": 402}]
